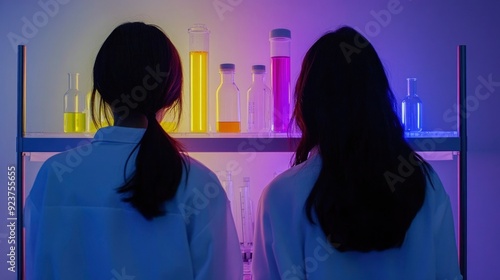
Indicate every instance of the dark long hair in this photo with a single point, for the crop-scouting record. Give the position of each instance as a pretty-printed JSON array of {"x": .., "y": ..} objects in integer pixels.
[
  {"x": 366, "y": 195},
  {"x": 138, "y": 71}
]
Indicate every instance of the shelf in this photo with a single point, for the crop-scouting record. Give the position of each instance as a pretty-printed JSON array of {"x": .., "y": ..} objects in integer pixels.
[
  {"x": 428, "y": 141},
  {"x": 440, "y": 144}
]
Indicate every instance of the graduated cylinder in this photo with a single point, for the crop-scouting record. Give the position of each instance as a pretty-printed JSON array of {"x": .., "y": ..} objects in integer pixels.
[
  {"x": 280, "y": 40},
  {"x": 198, "y": 70},
  {"x": 259, "y": 102}
]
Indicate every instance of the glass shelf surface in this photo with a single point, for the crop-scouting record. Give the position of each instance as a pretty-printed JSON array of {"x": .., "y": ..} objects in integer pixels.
[{"x": 429, "y": 141}]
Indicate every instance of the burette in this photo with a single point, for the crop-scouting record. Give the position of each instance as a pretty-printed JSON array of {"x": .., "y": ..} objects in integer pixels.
[
  {"x": 228, "y": 187},
  {"x": 246, "y": 213}
]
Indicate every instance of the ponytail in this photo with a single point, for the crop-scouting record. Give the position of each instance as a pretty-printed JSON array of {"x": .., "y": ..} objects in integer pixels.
[
  {"x": 158, "y": 172},
  {"x": 140, "y": 56}
]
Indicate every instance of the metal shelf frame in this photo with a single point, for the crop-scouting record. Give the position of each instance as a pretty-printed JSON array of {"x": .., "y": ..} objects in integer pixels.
[
  {"x": 456, "y": 143},
  {"x": 230, "y": 144}
]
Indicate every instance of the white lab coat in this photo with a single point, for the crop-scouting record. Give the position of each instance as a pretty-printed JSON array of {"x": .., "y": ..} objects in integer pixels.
[
  {"x": 287, "y": 246},
  {"x": 77, "y": 226}
]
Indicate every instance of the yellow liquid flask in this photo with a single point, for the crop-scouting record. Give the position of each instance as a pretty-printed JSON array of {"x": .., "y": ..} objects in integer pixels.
[
  {"x": 80, "y": 122},
  {"x": 90, "y": 124},
  {"x": 69, "y": 122},
  {"x": 74, "y": 107},
  {"x": 169, "y": 121},
  {"x": 228, "y": 101},
  {"x": 198, "y": 70},
  {"x": 247, "y": 229},
  {"x": 100, "y": 111}
]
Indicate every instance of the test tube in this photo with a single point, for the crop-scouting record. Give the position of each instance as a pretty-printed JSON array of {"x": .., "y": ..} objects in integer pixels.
[
  {"x": 198, "y": 67},
  {"x": 280, "y": 41},
  {"x": 246, "y": 219}
]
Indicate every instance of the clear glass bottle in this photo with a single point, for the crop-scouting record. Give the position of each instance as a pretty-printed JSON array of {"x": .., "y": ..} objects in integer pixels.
[
  {"x": 280, "y": 41},
  {"x": 198, "y": 70},
  {"x": 74, "y": 106},
  {"x": 411, "y": 108},
  {"x": 259, "y": 102},
  {"x": 228, "y": 101}
]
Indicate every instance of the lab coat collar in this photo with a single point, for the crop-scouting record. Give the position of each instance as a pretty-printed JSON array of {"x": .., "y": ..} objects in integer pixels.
[
  {"x": 119, "y": 134},
  {"x": 313, "y": 152}
]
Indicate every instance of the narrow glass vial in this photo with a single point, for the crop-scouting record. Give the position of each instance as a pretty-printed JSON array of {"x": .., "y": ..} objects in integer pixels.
[
  {"x": 74, "y": 106},
  {"x": 246, "y": 245},
  {"x": 228, "y": 101},
  {"x": 280, "y": 40},
  {"x": 198, "y": 70},
  {"x": 90, "y": 124},
  {"x": 259, "y": 102},
  {"x": 100, "y": 113},
  {"x": 411, "y": 108},
  {"x": 228, "y": 187}
]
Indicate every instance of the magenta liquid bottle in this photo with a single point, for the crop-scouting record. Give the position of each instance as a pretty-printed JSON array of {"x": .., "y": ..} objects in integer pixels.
[{"x": 280, "y": 77}]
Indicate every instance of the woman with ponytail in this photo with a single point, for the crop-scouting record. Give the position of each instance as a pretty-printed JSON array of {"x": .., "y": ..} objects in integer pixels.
[
  {"x": 131, "y": 204},
  {"x": 358, "y": 203}
]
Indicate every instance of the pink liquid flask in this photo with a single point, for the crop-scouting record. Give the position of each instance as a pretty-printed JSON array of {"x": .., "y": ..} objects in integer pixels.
[{"x": 280, "y": 78}]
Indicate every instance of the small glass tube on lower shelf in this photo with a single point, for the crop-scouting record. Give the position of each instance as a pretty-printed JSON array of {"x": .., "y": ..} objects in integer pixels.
[
  {"x": 247, "y": 228},
  {"x": 228, "y": 187}
]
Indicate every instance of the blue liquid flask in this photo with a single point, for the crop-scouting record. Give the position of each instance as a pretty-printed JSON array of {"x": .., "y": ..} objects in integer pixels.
[
  {"x": 228, "y": 101},
  {"x": 411, "y": 108},
  {"x": 247, "y": 228}
]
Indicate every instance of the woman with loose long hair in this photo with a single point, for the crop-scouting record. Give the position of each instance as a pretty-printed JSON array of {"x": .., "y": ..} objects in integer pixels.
[
  {"x": 131, "y": 204},
  {"x": 358, "y": 203}
]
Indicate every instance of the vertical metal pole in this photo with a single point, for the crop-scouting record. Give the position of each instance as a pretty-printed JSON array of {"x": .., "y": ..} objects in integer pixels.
[
  {"x": 21, "y": 128},
  {"x": 462, "y": 160}
]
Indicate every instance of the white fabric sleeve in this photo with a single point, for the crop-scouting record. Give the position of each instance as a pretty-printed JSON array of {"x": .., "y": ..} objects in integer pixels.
[
  {"x": 215, "y": 248},
  {"x": 264, "y": 265},
  {"x": 32, "y": 220},
  {"x": 445, "y": 242}
]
